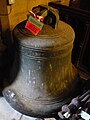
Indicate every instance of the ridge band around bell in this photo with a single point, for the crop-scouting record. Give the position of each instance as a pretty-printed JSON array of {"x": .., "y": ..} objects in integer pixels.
[{"x": 43, "y": 76}]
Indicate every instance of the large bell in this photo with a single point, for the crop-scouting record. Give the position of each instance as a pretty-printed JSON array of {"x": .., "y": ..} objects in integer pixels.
[{"x": 44, "y": 77}]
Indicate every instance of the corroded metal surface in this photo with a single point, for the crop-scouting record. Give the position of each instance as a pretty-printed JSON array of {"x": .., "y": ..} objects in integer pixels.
[{"x": 43, "y": 76}]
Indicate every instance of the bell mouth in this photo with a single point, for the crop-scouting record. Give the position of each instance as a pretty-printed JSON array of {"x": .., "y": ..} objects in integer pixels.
[
  {"x": 15, "y": 103},
  {"x": 12, "y": 98},
  {"x": 38, "y": 108}
]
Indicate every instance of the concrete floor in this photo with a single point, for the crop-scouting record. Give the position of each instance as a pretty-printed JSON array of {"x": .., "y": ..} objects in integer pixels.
[{"x": 8, "y": 113}]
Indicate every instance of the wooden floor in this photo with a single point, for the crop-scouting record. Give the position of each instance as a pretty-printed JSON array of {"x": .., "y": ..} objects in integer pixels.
[{"x": 8, "y": 113}]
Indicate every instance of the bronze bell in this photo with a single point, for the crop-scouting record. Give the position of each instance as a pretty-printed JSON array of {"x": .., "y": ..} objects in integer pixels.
[{"x": 44, "y": 77}]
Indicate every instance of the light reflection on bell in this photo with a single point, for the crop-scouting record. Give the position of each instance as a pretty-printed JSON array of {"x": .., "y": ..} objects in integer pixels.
[{"x": 44, "y": 77}]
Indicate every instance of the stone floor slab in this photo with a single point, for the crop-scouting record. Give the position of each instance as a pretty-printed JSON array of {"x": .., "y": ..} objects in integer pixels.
[{"x": 8, "y": 113}]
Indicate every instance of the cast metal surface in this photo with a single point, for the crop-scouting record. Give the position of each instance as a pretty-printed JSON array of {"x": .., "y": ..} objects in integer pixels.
[{"x": 43, "y": 76}]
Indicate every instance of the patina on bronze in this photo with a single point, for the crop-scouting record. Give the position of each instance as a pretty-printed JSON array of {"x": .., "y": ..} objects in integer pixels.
[{"x": 44, "y": 77}]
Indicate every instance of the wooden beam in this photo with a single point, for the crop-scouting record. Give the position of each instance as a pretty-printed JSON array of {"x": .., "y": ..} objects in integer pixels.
[
  {"x": 4, "y": 23},
  {"x": 4, "y": 15}
]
